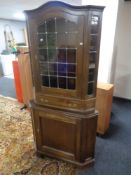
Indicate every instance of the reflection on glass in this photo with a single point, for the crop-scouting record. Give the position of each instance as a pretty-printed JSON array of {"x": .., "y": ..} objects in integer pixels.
[
  {"x": 71, "y": 70},
  {"x": 61, "y": 40},
  {"x": 62, "y": 55},
  {"x": 71, "y": 26},
  {"x": 94, "y": 24},
  {"x": 42, "y": 40},
  {"x": 93, "y": 43},
  {"x": 45, "y": 81},
  {"x": 43, "y": 55},
  {"x": 91, "y": 75},
  {"x": 44, "y": 68},
  {"x": 42, "y": 28},
  {"x": 71, "y": 55},
  {"x": 57, "y": 38},
  {"x": 93, "y": 53},
  {"x": 92, "y": 66},
  {"x": 62, "y": 69},
  {"x": 51, "y": 40},
  {"x": 53, "y": 81},
  {"x": 53, "y": 69},
  {"x": 71, "y": 83},
  {"x": 62, "y": 82},
  {"x": 94, "y": 20},
  {"x": 60, "y": 25},
  {"x": 50, "y": 25},
  {"x": 92, "y": 57},
  {"x": 52, "y": 55},
  {"x": 72, "y": 40},
  {"x": 90, "y": 88}
]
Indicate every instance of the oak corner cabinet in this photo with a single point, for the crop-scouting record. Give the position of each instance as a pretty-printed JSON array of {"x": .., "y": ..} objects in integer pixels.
[{"x": 64, "y": 45}]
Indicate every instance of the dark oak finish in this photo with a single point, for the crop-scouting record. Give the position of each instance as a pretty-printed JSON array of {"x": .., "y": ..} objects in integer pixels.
[{"x": 64, "y": 45}]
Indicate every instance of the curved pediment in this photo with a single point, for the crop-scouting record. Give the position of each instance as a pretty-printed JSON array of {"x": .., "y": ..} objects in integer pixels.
[{"x": 62, "y": 4}]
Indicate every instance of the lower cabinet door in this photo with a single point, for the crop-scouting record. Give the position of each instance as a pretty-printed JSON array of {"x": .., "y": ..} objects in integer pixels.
[
  {"x": 57, "y": 134},
  {"x": 65, "y": 135}
]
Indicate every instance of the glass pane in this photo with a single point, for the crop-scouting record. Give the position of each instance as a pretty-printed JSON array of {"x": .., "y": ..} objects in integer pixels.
[
  {"x": 62, "y": 55},
  {"x": 51, "y": 40},
  {"x": 90, "y": 88},
  {"x": 53, "y": 69},
  {"x": 93, "y": 43},
  {"x": 71, "y": 26},
  {"x": 61, "y": 40},
  {"x": 42, "y": 40},
  {"x": 60, "y": 25},
  {"x": 91, "y": 75},
  {"x": 42, "y": 28},
  {"x": 62, "y": 82},
  {"x": 52, "y": 55},
  {"x": 92, "y": 57},
  {"x": 71, "y": 69},
  {"x": 71, "y": 40},
  {"x": 71, "y": 83},
  {"x": 42, "y": 54},
  {"x": 53, "y": 81},
  {"x": 58, "y": 41},
  {"x": 45, "y": 81},
  {"x": 50, "y": 25},
  {"x": 44, "y": 68},
  {"x": 92, "y": 66},
  {"x": 62, "y": 69},
  {"x": 94, "y": 24},
  {"x": 71, "y": 55}
]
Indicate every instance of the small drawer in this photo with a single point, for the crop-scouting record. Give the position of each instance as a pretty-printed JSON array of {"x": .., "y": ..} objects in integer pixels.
[{"x": 59, "y": 102}]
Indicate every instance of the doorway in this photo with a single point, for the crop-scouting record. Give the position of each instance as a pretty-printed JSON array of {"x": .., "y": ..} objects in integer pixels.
[{"x": 7, "y": 86}]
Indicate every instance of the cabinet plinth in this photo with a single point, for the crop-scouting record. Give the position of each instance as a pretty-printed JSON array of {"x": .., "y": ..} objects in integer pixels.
[{"x": 64, "y": 45}]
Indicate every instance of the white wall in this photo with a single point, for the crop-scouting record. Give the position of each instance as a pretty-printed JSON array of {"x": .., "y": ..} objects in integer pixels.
[
  {"x": 121, "y": 71},
  {"x": 107, "y": 36},
  {"x": 16, "y": 27}
]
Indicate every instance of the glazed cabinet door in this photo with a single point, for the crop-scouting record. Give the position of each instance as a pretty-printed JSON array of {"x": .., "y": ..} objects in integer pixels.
[
  {"x": 56, "y": 41},
  {"x": 94, "y": 23}
]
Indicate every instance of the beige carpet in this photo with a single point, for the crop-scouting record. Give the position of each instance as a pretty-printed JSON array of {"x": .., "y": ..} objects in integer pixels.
[{"x": 17, "y": 153}]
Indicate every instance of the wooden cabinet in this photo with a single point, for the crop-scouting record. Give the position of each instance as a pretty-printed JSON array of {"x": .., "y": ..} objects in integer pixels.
[
  {"x": 64, "y": 42},
  {"x": 17, "y": 81},
  {"x": 104, "y": 106},
  {"x": 25, "y": 74}
]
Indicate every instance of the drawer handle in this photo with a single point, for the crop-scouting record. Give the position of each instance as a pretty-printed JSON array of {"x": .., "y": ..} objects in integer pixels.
[
  {"x": 72, "y": 105},
  {"x": 46, "y": 101},
  {"x": 41, "y": 99}
]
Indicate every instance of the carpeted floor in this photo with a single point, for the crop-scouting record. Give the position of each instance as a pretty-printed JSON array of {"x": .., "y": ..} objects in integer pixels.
[
  {"x": 17, "y": 154},
  {"x": 113, "y": 151}
]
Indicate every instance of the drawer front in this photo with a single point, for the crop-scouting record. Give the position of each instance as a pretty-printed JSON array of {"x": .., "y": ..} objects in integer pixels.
[
  {"x": 66, "y": 103},
  {"x": 58, "y": 102}
]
